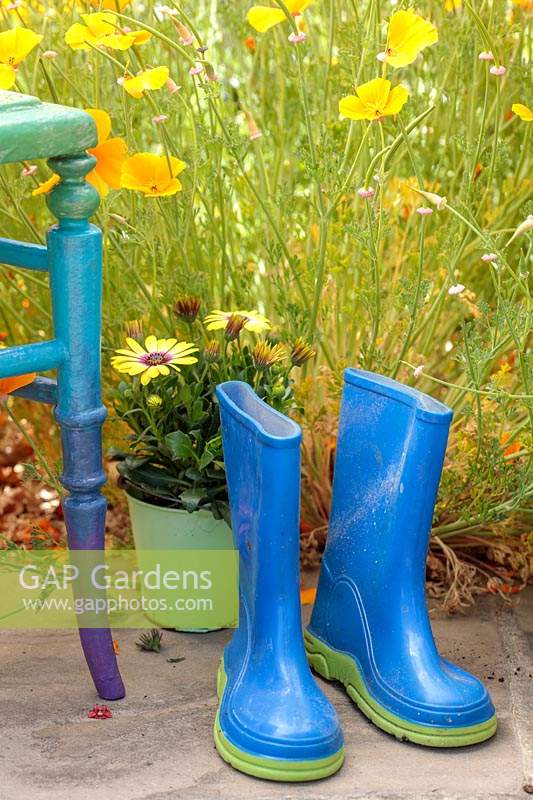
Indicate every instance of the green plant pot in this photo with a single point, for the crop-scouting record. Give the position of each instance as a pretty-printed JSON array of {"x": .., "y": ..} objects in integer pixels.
[{"x": 157, "y": 528}]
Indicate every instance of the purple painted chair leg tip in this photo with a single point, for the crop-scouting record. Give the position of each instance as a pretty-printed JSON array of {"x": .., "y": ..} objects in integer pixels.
[{"x": 111, "y": 690}]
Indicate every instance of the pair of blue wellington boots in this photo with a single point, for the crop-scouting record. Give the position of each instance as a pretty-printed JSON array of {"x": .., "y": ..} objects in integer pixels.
[{"x": 369, "y": 629}]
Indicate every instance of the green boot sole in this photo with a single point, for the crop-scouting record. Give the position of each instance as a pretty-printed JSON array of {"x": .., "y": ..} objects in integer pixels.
[
  {"x": 336, "y": 666},
  {"x": 271, "y": 769}
]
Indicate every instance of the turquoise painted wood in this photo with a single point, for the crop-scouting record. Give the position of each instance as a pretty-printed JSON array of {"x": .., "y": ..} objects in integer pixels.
[{"x": 30, "y": 129}]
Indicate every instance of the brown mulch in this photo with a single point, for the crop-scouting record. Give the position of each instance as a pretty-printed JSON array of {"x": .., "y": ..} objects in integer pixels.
[{"x": 31, "y": 511}]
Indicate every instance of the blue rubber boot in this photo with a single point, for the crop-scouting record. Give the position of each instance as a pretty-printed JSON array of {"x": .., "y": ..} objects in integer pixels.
[
  {"x": 370, "y": 627},
  {"x": 273, "y": 721}
]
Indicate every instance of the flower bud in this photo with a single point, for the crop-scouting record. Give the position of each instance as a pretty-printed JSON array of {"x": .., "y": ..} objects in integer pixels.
[
  {"x": 255, "y": 133},
  {"x": 435, "y": 199},
  {"x": 301, "y": 352},
  {"x": 524, "y": 226},
  {"x": 171, "y": 86},
  {"x": 187, "y": 307},
  {"x": 134, "y": 330},
  {"x": 297, "y": 38},
  {"x": 212, "y": 352},
  {"x": 265, "y": 355},
  {"x": 234, "y": 326}
]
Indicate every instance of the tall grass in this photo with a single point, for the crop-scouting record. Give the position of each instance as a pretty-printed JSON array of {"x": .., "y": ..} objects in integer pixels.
[{"x": 274, "y": 222}]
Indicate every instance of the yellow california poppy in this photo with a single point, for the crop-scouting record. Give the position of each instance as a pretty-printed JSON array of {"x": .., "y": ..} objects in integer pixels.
[
  {"x": 262, "y": 18},
  {"x": 522, "y": 111},
  {"x": 110, "y": 154},
  {"x": 101, "y": 30},
  {"x": 148, "y": 79},
  {"x": 154, "y": 176},
  {"x": 110, "y": 5},
  {"x": 408, "y": 35},
  {"x": 374, "y": 100},
  {"x": 15, "y": 45}
]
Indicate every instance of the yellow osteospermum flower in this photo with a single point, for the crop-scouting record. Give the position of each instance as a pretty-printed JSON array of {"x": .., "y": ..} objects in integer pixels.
[
  {"x": 15, "y": 45},
  {"x": 374, "y": 100},
  {"x": 147, "y": 80},
  {"x": 101, "y": 30},
  {"x": 408, "y": 35},
  {"x": 152, "y": 175},
  {"x": 522, "y": 111},
  {"x": 110, "y": 155},
  {"x": 47, "y": 186},
  {"x": 262, "y": 18},
  {"x": 254, "y": 321},
  {"x": 154, "y": 359}
]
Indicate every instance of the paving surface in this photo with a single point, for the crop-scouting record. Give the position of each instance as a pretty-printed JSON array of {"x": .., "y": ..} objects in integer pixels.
[{"x": 158, "y": 745}]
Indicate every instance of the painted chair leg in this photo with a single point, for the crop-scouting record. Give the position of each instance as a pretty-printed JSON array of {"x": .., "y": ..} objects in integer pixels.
[
  {"x": 75, "y": 267},
  {"x": 85, "y": 521}
]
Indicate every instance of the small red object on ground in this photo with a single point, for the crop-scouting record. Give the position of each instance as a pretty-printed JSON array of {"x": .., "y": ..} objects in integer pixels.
[{"x": 100, "y": 712}]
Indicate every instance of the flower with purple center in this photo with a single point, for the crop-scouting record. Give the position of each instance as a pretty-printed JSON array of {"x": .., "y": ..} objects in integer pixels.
[{"x": 156, "y": 358}]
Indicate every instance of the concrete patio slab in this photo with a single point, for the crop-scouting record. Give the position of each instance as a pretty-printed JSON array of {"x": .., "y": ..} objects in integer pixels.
[{"x": 158, "y": 744}]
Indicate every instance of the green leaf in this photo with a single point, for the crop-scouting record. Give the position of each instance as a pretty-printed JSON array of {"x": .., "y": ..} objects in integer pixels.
[
  {"x": 191, "y": 499},
  {"x": 206, "y": 458},
  {"x": 197, "y": 411},
  {"x": 180, "y": 445}
]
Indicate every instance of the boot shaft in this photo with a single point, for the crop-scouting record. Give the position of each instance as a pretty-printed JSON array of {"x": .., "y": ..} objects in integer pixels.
[
  {"x": 390, "y": 452},
  {"x": 262, "y": 462}
]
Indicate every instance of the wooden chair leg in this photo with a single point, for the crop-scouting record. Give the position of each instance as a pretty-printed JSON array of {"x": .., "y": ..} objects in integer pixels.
[
  {"x": 85, "y": 521},
  {"x": 75, "y": 267}
]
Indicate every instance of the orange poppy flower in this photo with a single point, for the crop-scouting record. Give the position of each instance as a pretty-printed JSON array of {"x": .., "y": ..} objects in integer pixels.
[{"x": 110, "y": 154}]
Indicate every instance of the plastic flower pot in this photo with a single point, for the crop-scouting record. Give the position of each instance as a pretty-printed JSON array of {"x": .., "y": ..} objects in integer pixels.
[{"x": 158, "y": 528}]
